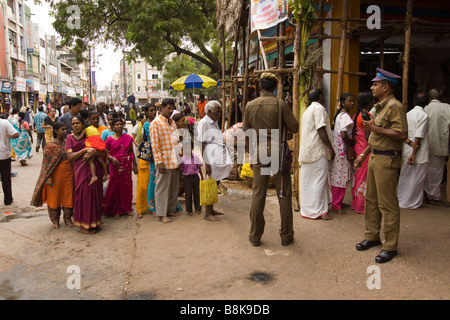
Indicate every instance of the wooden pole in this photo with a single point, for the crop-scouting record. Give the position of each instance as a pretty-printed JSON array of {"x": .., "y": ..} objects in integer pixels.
[
  {"x": 296, "y": 111},
  {"x": 233, "y": 67},
  {"x": 246, "y": 58},
  {"x": 342, "y": 51},
  {"x": 321, "y": 33},
  {"x": 263, "y": 52},
  {"x": 281, "y": 58},
  {"x": 406, "y": 53},
  {"x": 224, "y": 62}
]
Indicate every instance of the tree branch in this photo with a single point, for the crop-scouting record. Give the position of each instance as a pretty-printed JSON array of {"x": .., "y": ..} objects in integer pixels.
[{"x": 178, "y": 49}]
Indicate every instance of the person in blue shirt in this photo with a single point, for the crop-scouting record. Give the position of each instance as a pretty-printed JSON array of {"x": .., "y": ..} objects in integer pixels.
[{"x": 38, "y": 121}]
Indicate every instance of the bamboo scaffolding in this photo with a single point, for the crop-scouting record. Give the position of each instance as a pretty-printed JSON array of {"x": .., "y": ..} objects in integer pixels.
[
  {"x": 281, "y": 58},
  {"x": 391, "y": 28},
  {"x": 320, "y": 34},
  {"x": 224, "y": 63},
  {"x": 296, "y": 111},
  {"x": 342, "y": 51},
  {"x": 233, "y": 67},
  {"x": 246, "y": 62},
  {"x": 406, "y": 53}
]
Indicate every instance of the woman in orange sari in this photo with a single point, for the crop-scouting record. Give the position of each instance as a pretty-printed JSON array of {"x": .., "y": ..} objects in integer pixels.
[{"x": 55, "y": 185}]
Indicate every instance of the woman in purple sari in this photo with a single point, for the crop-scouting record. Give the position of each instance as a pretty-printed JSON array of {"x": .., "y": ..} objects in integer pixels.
[
  {"x": 119, "y": 194},
  {"x": 87, "y": 198}
]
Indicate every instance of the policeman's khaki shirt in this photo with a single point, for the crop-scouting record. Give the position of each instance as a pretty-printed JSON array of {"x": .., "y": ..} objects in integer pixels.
[
  {"x": 390, "y": 114},
  {"x": 262, "y": 114}
]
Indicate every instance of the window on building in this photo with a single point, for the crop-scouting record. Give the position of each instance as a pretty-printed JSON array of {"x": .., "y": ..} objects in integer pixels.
[
  {"x": 12, "y": 37},
  {"x": 12, "y": 5},
  {"x": 42, "y": 43},
  {"x": 154, "y": 76},
  {"x": 21, "y": 20},
  {"x": 22, "y": 45},
  {"x": 138, "y": 75}
]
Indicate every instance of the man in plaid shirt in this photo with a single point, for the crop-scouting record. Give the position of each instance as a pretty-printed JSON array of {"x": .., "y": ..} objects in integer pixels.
[{"x": 164, "y": 138}]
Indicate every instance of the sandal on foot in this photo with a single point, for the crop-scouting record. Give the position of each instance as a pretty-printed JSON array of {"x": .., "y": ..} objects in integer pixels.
[{"x": 165, "y": 220}]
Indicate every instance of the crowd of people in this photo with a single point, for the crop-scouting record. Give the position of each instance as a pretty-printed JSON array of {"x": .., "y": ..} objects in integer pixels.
[
  {"x": 389, "y": 157},
  {"x": 89, "y": 158}
]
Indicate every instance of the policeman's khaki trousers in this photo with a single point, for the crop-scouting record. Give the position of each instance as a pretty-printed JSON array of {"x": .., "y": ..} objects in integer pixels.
[
  {"x": 259, "y": 192},
  {"x": 382, "y": 208}
]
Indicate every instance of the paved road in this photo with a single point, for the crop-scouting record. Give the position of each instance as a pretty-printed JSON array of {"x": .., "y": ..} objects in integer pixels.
[{"x": 193, "y": 259}]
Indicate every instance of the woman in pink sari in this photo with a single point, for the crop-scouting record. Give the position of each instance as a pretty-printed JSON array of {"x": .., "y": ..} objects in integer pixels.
[
  {"x": 119, "y": 194},
  {"x": 365, "y": 103}
]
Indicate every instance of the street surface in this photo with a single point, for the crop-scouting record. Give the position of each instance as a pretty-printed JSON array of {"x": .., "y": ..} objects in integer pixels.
[{"x": 194, "y": 259}]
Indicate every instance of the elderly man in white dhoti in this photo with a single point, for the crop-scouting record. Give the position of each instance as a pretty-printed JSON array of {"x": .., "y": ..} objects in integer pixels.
[
  {"x": 316, "y": 151},
  {"x": 438, "y": 131},
  {"x": 415, "y": 155},
  {"x": 218, "y": 163}
]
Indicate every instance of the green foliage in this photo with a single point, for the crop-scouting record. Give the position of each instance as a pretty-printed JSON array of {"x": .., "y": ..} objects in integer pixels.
[{"x": 148, "y": 28}]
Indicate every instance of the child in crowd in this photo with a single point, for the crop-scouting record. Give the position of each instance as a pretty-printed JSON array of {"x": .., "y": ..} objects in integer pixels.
[
  {"x": 341, "y": 171},
  {"x": 190, "y": 167},
  {"x": 94, "y": 140}
]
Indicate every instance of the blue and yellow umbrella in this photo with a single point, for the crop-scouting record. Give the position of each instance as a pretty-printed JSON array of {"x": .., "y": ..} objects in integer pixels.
[{"x": 193, "y": 81}]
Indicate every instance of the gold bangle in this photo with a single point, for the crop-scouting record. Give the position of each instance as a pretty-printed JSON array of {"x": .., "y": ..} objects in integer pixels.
[{"x": 362, "y": 154}]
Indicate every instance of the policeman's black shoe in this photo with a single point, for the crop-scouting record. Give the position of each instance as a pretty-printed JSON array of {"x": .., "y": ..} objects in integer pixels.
[
  {"x": 286, "y": 243},
  {"x": 367, "y": 244},
  {"x": 385, "y": 256},
  {"x": 254, "y": 243}
]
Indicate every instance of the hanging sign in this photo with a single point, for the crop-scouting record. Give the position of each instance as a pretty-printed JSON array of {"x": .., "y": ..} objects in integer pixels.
[{"x": 268, "y": 13}]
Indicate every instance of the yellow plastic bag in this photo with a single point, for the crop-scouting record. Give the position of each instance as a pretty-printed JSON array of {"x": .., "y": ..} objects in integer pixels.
[{"x": 208, "y": 192}]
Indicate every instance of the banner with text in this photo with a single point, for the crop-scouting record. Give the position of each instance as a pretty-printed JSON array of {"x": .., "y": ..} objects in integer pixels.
[{"x": 268, "y": 13}]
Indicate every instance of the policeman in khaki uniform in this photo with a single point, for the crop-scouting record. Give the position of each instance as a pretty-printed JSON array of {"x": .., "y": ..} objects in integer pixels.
[
  {"x": 389, "y": 129},
  {"x": 263, "y": 114}
]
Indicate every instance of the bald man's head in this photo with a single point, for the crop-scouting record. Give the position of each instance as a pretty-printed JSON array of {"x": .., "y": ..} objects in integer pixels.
[{"x": 435, "y": 94}]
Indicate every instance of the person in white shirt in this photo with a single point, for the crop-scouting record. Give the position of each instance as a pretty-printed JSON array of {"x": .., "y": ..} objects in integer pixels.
[
  {"x": 439, "y": 114},
  {"x": 7, "y": 132},
  {"x": 415, "y": 155},
  {"x": 218, "y": 163},
  {"x": 316, "y": 151}
]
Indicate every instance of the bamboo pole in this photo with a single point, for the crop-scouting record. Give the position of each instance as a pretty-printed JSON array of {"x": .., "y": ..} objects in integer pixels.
[
  {"x": 246, "y": 58},
  {"x": 279, "y": 38},
  {"x": 321, "y": 33},
  {"x": 263, "y": 52},
  {"x": 406, "y": 53},
  {"x": 224, "y": 62},
  {"x": 342, "y": 51},
  {"x": 233, "y": 67},
  {"x": 296, "y": 111},
  {"x": 281, "y": 58}
]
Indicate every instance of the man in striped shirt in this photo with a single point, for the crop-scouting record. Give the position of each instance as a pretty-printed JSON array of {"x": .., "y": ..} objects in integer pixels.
[{"x": 164, "y": 138}]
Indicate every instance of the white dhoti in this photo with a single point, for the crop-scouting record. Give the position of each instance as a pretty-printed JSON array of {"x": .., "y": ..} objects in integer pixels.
[
  {"x": 411, "y": 184},
  {"x": 216, "y": 155},
  {"x": 435, "y": 173},
  {"x": 315, "y": 189}
]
